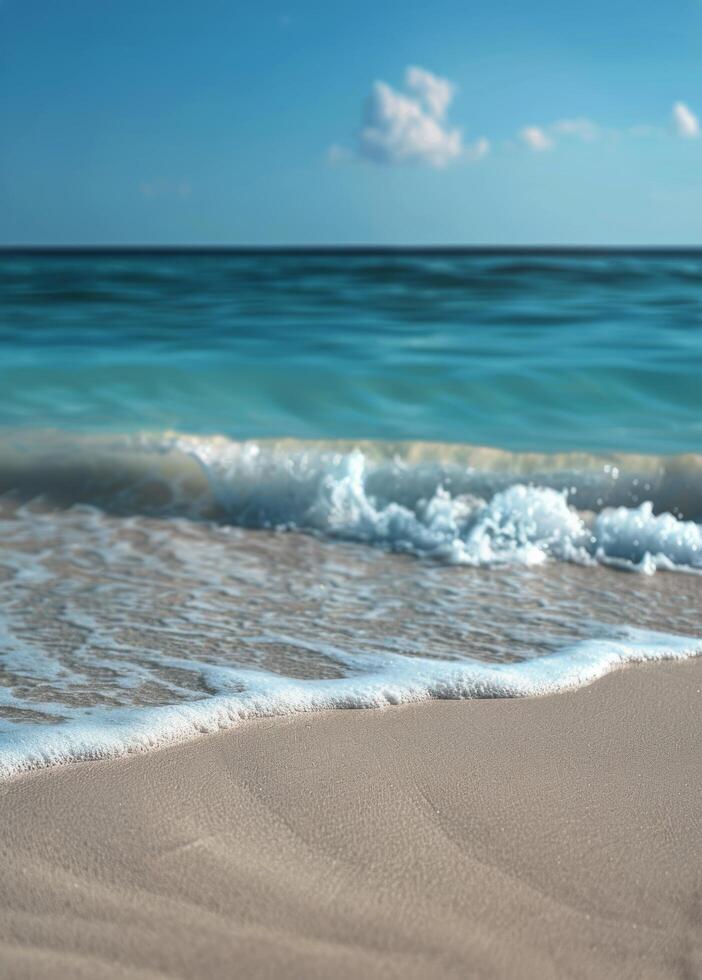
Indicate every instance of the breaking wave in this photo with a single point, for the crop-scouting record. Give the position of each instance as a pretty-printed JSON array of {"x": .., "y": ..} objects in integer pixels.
[{"x": 458, "y": 504}]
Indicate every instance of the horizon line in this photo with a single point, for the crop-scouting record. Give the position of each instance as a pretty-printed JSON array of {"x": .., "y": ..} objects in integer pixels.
[{"x": 354, "y": 249}]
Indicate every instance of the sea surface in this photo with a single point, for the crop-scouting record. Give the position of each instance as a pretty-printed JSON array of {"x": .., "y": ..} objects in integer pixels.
[{"x": 246, "y": 483}]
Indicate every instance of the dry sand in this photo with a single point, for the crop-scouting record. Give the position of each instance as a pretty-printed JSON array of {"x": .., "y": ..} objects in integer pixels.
[{"x": 553, "y": 837}]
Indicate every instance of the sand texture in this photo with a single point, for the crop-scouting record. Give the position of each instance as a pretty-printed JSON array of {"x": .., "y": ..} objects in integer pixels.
[{"x": 552, "y": 837}]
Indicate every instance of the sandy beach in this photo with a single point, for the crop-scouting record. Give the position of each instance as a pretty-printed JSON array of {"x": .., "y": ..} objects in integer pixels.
[{"x": 544, "y": 837}]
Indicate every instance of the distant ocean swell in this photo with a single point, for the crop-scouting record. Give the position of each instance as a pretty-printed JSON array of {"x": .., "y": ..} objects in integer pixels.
[
  {"x": 458, "y": 504},
  {"x": 597, "y": 352}
]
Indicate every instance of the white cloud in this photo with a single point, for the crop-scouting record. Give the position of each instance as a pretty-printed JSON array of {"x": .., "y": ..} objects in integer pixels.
[
  {"x": 536, "y": 138},
  {"x": 337, "y": 154},
  {"x": 165, "y": 187},
  {"x": 476, "y": 151},
  {"x": 436, "y": 93},
  {"x": 644, "y": 130},
  {"x": 685, "y": 121},
  {"x": 399, "y": 128},
  {"x": 542, "y": 138},
  {"x": 580, "y": 127}
]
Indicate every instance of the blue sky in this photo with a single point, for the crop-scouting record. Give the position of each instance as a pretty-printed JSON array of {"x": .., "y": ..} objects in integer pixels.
[{"x": 217, "y": 122}]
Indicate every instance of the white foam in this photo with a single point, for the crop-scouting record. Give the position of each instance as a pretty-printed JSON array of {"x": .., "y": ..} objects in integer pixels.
[
  {"x": 637, "y": 537},
  {"x": 423, "y": 510},
  {"x": 376, "y": 681}
]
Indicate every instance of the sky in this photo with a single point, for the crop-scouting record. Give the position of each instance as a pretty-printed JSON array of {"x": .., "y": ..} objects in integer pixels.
[{"x": 493, "y": 122}]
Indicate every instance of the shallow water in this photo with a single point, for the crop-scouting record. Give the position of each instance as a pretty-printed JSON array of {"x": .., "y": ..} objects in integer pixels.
[{"x": 166, "y": 569}]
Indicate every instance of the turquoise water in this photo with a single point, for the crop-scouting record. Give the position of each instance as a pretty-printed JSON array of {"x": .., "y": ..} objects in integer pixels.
[
  {"x": 521, "y": 350},
  {"x": 245, "y": 484}
]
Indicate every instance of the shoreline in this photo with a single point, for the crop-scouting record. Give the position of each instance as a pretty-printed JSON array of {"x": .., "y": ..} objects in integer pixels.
[
  {"x": 398, "y": 681},
  {"x": 524, "y": 837}
]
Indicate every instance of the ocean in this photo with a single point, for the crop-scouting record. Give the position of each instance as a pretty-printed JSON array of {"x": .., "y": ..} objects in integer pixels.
[{"x": 240, "y": 483}]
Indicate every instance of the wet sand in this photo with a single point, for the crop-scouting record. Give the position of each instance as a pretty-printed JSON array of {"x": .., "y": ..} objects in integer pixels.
[{"x": 544, "y": 837}]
